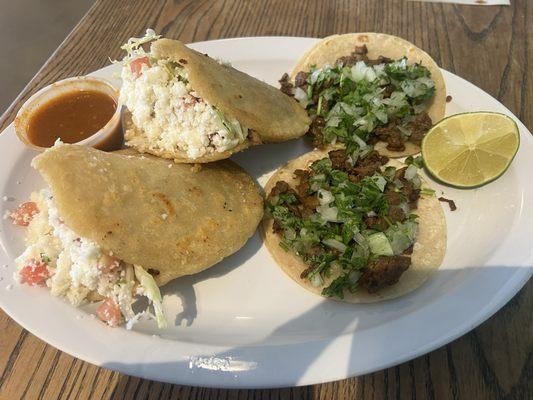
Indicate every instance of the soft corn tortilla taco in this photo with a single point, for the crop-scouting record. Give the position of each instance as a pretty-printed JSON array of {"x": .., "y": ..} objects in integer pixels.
[
  {"x": 427, "y": 252},
  {"x": 332, "y": 48},
  {"x": 113, "y": 225},
  {"x": 186, "y": 106}
]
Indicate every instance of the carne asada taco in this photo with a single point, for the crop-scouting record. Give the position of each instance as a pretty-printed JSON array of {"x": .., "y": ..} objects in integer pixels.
[
  {"x": 112, "y": 226},
  {"x": 359, "y": 232},
  {"x": 183, "y": 105},
  {"x": 368, "y": 88}
]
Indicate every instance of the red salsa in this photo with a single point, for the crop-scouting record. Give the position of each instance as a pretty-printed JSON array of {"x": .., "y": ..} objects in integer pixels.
[{"x": 72, "y": 117}]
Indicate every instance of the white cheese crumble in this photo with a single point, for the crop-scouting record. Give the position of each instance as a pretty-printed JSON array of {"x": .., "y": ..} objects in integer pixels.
[
  {"x": 174, "y": 117},
  {"x": 74, "y": 260}
]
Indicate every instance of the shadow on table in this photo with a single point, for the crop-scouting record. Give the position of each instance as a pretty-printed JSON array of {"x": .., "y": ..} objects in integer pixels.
[{"x": 240, "y": 363}]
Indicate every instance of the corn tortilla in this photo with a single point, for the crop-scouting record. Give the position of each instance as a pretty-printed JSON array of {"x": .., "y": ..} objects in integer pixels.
[
  {"x": 272, "y": 115},
  {"x": 428, "y": 251},
  {"x": 178, "y": 219},
  {"x": 331, "y": 48}
]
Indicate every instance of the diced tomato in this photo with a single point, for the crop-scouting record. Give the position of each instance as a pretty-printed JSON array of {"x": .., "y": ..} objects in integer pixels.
[
  {"x": 23, "y": 215},
  {"x": 109, "y": 312},
  {"x": 35, "y": 273},
  {"x": 108, "y": 263},
  {"x": 137, "y": 64}
]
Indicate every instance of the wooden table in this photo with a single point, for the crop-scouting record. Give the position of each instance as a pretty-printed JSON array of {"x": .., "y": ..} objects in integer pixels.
[{"x": 490, "y": 46}]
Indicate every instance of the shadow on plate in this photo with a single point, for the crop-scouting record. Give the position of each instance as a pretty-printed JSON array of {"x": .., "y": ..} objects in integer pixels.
[
  {"x": 184, "y": 287},
  {"x": 288, "y": 364}
]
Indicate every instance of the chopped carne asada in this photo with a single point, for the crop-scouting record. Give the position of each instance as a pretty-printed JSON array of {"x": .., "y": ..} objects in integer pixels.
[
  {"x": 360, "y": 100},
  {"x": 350, "y": 219},
  {"x": 285, "y": 85},
  {"x": 383, "y": 272},
  {"x": 451, "y": 203},
  {"x": 360, "y": 54}
]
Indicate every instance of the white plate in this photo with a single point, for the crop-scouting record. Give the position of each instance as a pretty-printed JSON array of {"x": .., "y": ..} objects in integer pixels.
[{"x": 243, "y": 323}]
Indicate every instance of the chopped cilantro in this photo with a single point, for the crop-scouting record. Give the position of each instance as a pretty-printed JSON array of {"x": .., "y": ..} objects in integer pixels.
[
  {"x": 355, "y": 100},
  {"x": 427, "y": 192},
  {"x": 416, "y": 161},
  {"x": 334, "y": 240}
]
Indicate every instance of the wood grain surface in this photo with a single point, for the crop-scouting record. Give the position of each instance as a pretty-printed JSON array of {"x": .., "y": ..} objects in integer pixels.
[{"x": 490, "y": 46}]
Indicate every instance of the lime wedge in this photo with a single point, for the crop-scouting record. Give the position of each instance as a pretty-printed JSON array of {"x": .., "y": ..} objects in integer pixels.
[{"x": 470, "y": 149}]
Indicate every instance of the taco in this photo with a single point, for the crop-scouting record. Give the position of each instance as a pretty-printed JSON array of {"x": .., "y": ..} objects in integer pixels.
[
  {"x": 360, "y": 232},
  {"x": 111, "y": 226},
  {"x": 368, "y": 89},
  {"x": 186, "y": 106}
]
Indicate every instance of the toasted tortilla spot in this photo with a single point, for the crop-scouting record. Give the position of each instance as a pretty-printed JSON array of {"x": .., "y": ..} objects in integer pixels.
[
  {"x": 427, "y": 256},
  {"x": 167, "y": 203}
]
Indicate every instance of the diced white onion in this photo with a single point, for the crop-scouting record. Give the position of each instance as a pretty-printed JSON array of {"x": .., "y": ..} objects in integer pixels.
[
  {"x": 325, "y": 196},
  {"x": 335, "y": 244},
  {"x": 316, "y": 280},
  {"x": 405, "y": 208},
  {"x": 328, "y": 213},
  {"x": 316, "y": 73},
  {"x": 354, "y": 276},
  {"x": 380, "y": 181},
  {"x": 301, "y": 96},
  {"x": 410, "y": 172}
]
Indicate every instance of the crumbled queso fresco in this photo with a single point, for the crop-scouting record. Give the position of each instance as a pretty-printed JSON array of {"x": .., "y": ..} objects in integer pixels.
[
  {"x": 73, "y": 259},
  {"x": 173, "y": 116}
]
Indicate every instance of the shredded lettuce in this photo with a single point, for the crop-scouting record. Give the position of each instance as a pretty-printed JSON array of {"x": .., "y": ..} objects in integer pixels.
[
  {"x": 152, "y": 292},
  {"x": 133, "y": 46},
  {"x": 233, "y": 126}
]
